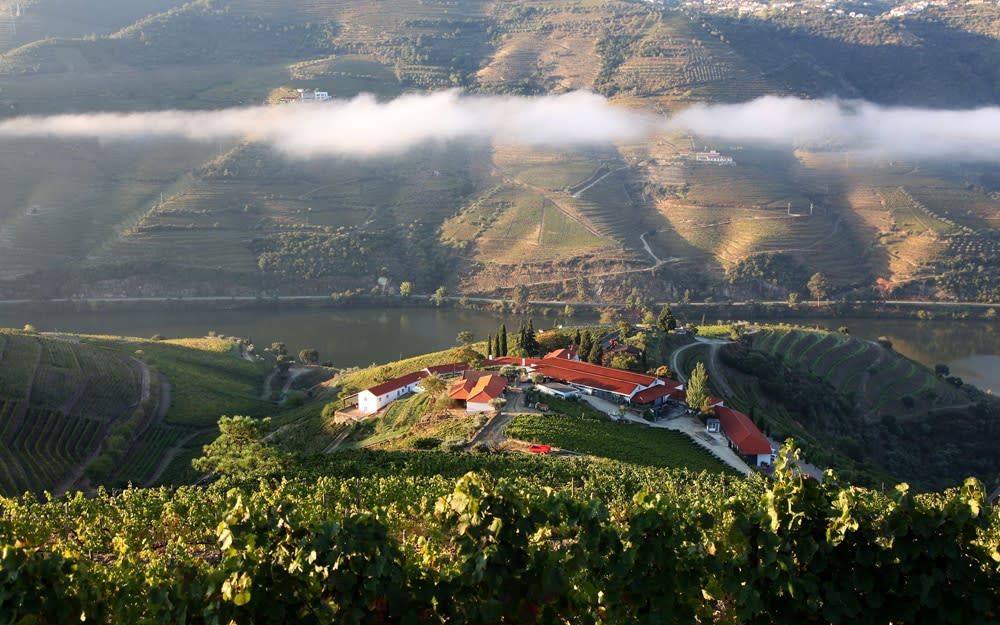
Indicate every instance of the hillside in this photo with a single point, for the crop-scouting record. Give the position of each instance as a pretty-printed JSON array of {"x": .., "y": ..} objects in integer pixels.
[
  {"x": 78, "y": 410},
  {"x": 856, "y": 405},
  {"x": 217, "y": 218}
]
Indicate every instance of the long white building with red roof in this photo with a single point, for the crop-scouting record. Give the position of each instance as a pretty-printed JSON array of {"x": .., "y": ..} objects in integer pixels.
[{"x": 373, "y": 399}]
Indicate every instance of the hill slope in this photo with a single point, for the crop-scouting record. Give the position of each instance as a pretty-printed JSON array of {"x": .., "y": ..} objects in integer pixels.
[{"x": 125, "y": 219}]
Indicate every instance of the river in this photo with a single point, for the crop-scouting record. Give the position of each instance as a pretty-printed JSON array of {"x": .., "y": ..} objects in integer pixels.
[{"x": 352, "y": 336}]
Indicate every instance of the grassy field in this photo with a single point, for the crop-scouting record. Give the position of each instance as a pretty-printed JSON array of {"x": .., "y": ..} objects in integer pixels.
[
  {"x": 635, "y": 445},
  {"x": 205, "y": 383}
]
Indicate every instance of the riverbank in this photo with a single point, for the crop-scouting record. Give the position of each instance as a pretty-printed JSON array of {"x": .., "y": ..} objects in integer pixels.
[{"x": 748, "y": 311}]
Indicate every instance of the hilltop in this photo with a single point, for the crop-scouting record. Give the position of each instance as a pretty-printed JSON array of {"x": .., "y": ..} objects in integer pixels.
[{"x": 237, "y": 219}]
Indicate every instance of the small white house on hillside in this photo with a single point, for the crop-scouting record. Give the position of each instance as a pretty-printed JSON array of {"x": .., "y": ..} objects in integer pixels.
[{"x": 373, "y": 399}]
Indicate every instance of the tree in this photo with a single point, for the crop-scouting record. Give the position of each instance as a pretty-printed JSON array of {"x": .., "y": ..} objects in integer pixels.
[
  {"x": 439, "y": 295},
  {"x": 596, "y": 353},
  {"x": 942, "y": 370},
  {"x": 665, "y": 321},
  {"x": 468, "y": 355},
  {"x": 498, "y": 403},
  {"x": 527, "y": 340},
  {"x": 309, "y": 356},
  {"x": 279, "y": 349},
  {"x": 663, "y": 372},
  {"x": 586, "y": 343},
  {"x": 405, "y": 288},
  {"x": 490, "y": 349},
  {"x": 793, "y": 299},
  {"x": 818, "y": 287},
  {"x": 434, "y": 385},
  {"x": 568, "y": 311},
  {"x": 577, "y": 338},
  {"x": 283, "y": 364},
  {"x": 464, "y": 337},
  {"x": 648, "y": 319},
  {"x": 28, "y": 328},
  {"x": 624, "y": 328},
  {"x": 384, "y": 374},
  {"x": 626, "y": 361},
  {"x": 502, "y": 345},
  {"x": 240, "y": 449},
  {"x": 697, "y": 387}
]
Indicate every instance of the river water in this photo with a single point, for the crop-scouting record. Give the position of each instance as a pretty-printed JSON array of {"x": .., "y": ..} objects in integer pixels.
[{"x": 348, "y": 337}]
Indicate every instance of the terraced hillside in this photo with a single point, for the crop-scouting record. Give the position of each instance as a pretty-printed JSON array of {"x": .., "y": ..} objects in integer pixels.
[
  {"x": 78, "y": 411},
  {"x": 59, "y": 402},
  {"x": 221, "y": 218},
  {"x": 859, "y": 403}
]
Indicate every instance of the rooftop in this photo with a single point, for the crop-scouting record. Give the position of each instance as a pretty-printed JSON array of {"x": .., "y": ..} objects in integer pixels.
[{"x": 744, "y": 434}]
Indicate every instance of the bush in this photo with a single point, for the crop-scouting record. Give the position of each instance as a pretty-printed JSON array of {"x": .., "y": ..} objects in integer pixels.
[{"x": 426, "y": 442}]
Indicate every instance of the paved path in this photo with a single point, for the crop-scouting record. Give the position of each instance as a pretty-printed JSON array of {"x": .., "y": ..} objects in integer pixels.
[{"x": 492, "y": 434}]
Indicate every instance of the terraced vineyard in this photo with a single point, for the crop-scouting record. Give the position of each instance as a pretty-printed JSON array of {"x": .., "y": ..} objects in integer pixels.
[
  {"x": 58, "y": 400},
  {"x": 877, "y": 378},
  {"x": 141, "y": 462}
]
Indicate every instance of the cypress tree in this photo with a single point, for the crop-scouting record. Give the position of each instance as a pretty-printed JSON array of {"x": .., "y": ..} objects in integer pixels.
[
  {"x": 489, "y": 346},
  {"x": 585, "y": 344},
  {"x": 596, "y": 354},
  {"x": 502, "y": 341},
  {"x": 577, "y": 338}
]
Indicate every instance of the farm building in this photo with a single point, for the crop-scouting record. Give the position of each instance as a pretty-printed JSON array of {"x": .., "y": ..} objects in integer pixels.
[
  {"x": 748, "y": 440},
  {"x": 555, "y": 389},
  {"x": 477, "y": 389},
  {"x": 373, "y": 399},
  {"x": 615, "y": 385},
  {"x": 655, "y": 396}
]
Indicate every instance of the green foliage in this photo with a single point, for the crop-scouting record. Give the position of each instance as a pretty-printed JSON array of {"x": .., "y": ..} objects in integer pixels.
[
  {"x": 697, "y": 387},
  {"x": 665, "y": 321},
  {"x": 309, "y": 356},
  {"x": 239, "y": 450},
  {"x": 758, "y": 272},
  {"x": 388, "y": 538}
]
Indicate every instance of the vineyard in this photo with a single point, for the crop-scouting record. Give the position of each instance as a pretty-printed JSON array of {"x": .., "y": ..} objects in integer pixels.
[
  {"x": 377, "y": 537},
  {"x": 58, "y": 401},
  {"x": 635, "y": 445}
]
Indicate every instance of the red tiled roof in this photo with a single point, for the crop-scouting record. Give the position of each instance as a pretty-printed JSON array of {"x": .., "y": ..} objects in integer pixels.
[
  {"x": 396, "y": 383},
  {"x": 568, "y": 353},
  {"x": 744, "y": 434},
  {"x": 405, "y": 380},
  {"x": 455, "y": 367},
  {"x": 650, "y": 395},
  {"x": 595, "y": 376},
  {"x": 478, "y": 390}
]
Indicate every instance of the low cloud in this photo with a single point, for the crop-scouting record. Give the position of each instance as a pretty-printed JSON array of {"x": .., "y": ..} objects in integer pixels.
[
  {"x": 850, "y": 125},
  {"x": 364, "y": 127}
]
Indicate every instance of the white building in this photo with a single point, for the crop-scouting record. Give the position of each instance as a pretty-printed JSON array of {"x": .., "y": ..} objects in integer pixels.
[{"x": 373, "y": 399}]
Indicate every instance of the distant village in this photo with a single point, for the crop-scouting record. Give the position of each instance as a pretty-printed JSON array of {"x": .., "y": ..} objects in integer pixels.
[{"x": 623, "y": 395}]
